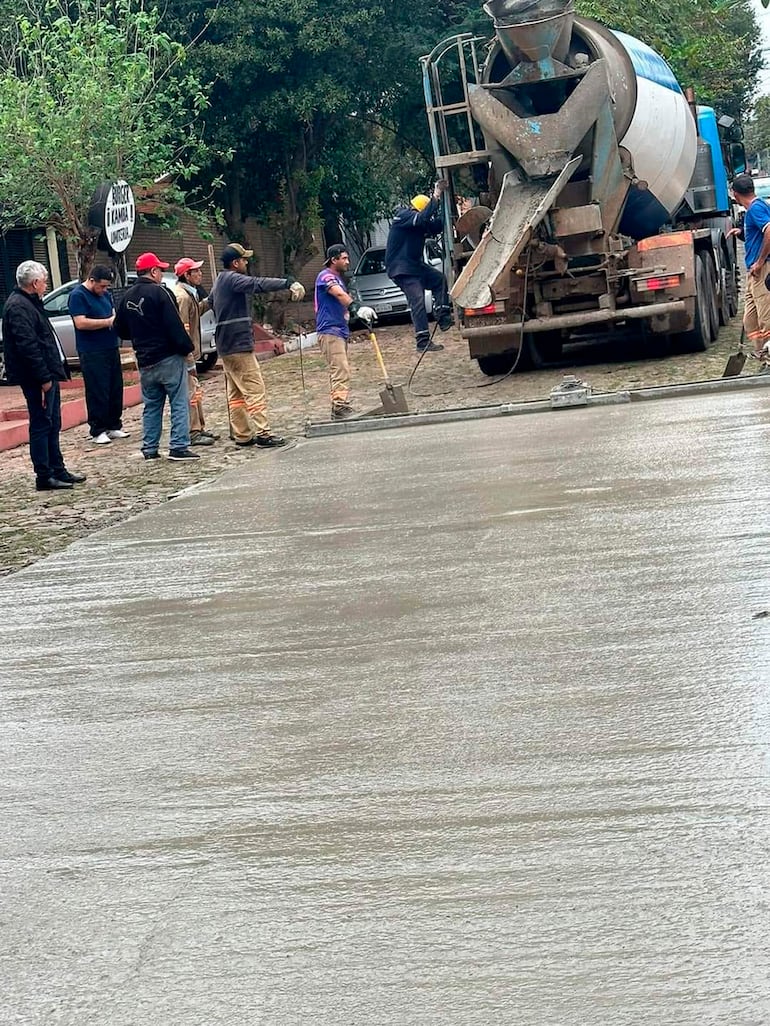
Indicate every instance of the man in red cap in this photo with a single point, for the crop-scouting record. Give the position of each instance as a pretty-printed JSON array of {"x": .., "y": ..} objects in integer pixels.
[
  {"x": 191, "y": 306},
  {"x": 148, "y": 315}
]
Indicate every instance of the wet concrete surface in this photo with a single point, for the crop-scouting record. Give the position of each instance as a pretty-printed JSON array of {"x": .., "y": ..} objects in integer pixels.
[{"x": 456, "y": 725}]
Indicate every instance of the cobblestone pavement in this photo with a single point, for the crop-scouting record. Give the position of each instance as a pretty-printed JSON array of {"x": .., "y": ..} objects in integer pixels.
[{"x": 121, "y": 484}]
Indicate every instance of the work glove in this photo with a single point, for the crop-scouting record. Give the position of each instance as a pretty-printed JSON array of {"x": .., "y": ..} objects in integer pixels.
[
  {"x": 363, "y": 313},
  {"x": 296, "y": 291}
]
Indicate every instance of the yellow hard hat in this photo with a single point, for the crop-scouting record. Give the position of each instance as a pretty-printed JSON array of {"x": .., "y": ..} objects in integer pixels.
[{"x": 420, "y": 201}]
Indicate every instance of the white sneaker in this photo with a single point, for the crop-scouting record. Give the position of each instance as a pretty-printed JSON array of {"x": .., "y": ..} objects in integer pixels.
[
  {"x": 103, "y": 438},
  {"x": 119, "y": 434}
]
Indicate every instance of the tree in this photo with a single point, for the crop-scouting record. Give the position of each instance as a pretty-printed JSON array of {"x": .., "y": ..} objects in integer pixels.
[
  {"x": 712, "y": 45},
  {"x": 90, "y": 92},
  {"x": 323, "y": 107},
  {"x": 758, "y": 133}
]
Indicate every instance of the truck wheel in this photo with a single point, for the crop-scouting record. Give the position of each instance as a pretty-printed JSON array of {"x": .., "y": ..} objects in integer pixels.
[
  {"x": 712, "y": 295},
  {"x": 733, "y": 290},
  {"x": 698, "y": 339},
  {"x": 726, "y": 285}
]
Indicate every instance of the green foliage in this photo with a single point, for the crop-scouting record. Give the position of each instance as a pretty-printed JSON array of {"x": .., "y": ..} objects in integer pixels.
[
  {"x": 90, "y": 93},
  {"x": 758, "y": 130},
  {"x": 712, "y": 45}
]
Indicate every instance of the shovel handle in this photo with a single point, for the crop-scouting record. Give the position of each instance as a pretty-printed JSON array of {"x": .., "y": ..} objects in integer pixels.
[{"x": 378, "y": 354}]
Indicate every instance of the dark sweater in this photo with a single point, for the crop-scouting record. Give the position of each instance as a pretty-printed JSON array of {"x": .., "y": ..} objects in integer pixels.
[
  {"x": 231, "y": 301},
  {"x": 33, "y": 355},
  {"x": 406, "y": 238},
  {"x": 148, "y": 315}
]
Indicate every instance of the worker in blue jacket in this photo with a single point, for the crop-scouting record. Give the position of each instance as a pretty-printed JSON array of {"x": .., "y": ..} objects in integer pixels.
[{"x": 405, "y": 264}]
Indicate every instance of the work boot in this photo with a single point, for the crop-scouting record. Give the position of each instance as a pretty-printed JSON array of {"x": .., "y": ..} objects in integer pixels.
[
  {"x": 342, "y": 411},
  {"x": 199, "y": 438},
  {"x": 269, "y": 441},
  {"x": 429, "y": 347},
  {"x": 444, "y": 318}
]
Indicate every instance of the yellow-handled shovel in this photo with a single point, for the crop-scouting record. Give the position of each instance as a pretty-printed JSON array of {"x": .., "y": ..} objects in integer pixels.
[{"x": 392, "y": 396}]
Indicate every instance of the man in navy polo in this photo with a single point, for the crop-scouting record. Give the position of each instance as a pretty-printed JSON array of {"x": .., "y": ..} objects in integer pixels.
[{"x": 90, "y": 305}]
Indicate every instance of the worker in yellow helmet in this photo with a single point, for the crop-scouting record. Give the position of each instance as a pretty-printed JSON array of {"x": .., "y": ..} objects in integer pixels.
[{"x": 405, "y": 264}]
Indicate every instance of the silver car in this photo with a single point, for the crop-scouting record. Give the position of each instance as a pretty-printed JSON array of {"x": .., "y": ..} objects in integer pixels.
[
  {"x": 371, "y": 285},
  {"x": 55, "y": 306}
]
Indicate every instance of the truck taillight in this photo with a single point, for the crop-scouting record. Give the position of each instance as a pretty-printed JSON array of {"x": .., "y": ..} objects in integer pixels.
[
  {"x": 492, "y": 308},
  {"x": 670, "y": 281}
]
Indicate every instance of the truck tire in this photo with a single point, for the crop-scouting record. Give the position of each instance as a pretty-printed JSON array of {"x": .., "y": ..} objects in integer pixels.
[
  {"x": 713, "y": 295},
  {"x": 699, "y": 338},
  {"x": 726, "y": 286}
]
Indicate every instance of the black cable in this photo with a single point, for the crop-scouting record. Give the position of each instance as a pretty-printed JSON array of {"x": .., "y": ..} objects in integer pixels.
[{"x": 484, "y": 384}]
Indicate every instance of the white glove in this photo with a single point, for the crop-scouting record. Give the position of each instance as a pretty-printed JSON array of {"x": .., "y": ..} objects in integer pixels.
[
  {"x": 367, "y": 315},
  {"x": 296, "y": 291}
]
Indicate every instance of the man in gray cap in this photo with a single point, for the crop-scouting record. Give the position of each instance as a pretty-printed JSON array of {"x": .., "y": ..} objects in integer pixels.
[{"x": 231, "y": 299}]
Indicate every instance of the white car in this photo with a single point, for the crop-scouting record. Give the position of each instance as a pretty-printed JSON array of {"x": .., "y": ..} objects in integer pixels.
[
  {"x": 370, "y": 284},
  {"x": 55, "y": 306}
]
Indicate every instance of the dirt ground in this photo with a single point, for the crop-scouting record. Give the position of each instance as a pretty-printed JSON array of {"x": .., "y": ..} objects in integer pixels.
[{"x": 120, "y": 483}]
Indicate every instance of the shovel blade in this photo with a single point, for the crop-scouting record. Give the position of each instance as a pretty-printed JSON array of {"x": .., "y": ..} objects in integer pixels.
[
  {"x": 393, "y": 400},
  {"x": 734, "y": 365}
]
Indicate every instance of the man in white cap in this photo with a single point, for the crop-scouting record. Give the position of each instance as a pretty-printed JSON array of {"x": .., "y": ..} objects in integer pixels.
[
  {"x": 405, "y": 265},
  {"x": 231, "y": 299},
  {"x": 191, "y": 306}
]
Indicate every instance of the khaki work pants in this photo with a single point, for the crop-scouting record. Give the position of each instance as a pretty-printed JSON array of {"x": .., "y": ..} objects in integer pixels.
[
  {"x": 246, "y": 396},
  {"x": 197, "y": 420},
  {"x": 335, "y": 352},
  {"x": 756, "y": 311}
]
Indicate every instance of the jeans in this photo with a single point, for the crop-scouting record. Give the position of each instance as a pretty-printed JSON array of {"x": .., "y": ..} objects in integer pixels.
[
  {"x": 167, "y": 378},
  {"x": 103, "y": 379},
  {"x": 413, "y": 286},
  {"x": 44, "y": 427}
]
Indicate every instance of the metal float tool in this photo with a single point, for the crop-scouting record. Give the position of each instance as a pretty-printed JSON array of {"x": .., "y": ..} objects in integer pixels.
[{"x": 392, "y": 396}]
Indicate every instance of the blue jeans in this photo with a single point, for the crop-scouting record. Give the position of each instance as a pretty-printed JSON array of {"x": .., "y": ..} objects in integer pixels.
[
  {"x": 167, "y": 378},
  {"x": 413, "y": 286},
  {"x": 44, "y": 427}
]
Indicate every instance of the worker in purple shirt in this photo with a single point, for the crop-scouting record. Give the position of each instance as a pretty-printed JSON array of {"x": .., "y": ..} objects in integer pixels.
[{"x": 333, "y": 308}]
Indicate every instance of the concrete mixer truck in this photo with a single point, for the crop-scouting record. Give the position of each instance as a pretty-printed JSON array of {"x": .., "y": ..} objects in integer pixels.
[{"x": 600, "y": 189}]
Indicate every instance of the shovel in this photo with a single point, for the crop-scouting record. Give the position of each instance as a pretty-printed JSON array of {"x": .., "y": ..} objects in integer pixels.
[
  {"x": 737, "y": 361},
  {"x": 392, "y": 396}
]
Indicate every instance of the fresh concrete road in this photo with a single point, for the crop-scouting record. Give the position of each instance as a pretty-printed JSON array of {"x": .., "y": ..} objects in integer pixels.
[{"x": 452, "y": 726}]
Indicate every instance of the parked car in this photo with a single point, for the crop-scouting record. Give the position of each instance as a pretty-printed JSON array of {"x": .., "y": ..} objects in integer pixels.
[
  {"x": 55, "y": 306},
  {"x": 371, "y": 285},
  {"x": 762, "y": 188}
]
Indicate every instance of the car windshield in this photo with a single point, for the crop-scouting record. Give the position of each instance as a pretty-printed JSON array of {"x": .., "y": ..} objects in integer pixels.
[
  {"x": 372, "y": 262},
  {"x": 762, "y": 188}
]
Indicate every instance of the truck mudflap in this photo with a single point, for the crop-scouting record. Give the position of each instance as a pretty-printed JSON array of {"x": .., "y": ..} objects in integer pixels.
[{"x": 491, "y": 338}]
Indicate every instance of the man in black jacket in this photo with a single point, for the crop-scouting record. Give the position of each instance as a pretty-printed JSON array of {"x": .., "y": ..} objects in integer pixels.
[
  {"x": 405, "y": 265},
  {"x": 34, "y": 360},
  {"x": 148, "y": 315}
]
